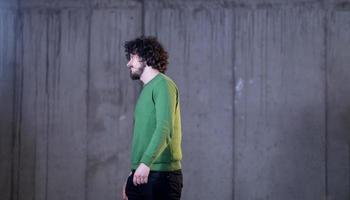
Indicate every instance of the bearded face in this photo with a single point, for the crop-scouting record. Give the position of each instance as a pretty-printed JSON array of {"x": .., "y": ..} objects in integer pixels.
[
  {"x": 136, "y": 66},
  {"x": 136, "y": 72}
]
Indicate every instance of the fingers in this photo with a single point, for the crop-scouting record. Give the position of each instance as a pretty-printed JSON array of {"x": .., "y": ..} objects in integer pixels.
[
  {"x": 141, "y": 175},
  {"x": 134, "y": 180},
  {"x": 139, "y": 179}
]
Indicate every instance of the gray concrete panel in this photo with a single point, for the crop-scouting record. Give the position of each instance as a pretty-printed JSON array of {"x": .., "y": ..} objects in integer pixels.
[
  {"x": 7, "y": 61},
  {"x": 112, "y": 97},
  {"x": 200, "y": 45},
  {"x": 30, "y": 66},
  {"x": 338, "y": 3},
  {"x": 256, "y": 106},
  {"x": 63, "y": 4},
  {"x": 8, "y": 4},
  {"x": 115, "y": 3},
  {"x": 280, "y": 104},
  {"x": 56, "y": 4},
  {"x": 235, "y": 3},
  {"x": 54, "y": 57},
  {"x": 338, "y": 106}
]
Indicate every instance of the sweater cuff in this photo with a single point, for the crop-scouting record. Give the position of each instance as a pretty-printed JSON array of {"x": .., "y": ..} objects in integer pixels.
[{"x": 147, "y": 160}]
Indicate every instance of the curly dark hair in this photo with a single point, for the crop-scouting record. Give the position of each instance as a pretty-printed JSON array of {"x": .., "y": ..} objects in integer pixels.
[{"x": 150, "y": 50}]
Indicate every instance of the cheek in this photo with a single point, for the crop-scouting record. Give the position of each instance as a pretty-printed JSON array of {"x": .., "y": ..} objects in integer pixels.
[{"x": 136, "y": 65}]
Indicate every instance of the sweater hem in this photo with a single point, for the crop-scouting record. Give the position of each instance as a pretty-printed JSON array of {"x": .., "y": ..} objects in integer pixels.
[{"x": 176, "y": 165}]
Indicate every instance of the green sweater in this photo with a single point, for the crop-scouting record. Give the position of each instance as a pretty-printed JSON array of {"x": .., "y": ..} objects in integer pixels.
[{"x": 157, "y": 126}]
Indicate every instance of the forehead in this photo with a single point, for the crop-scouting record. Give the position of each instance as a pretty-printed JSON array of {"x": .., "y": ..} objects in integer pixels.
[{"x": 134, "y": 55}]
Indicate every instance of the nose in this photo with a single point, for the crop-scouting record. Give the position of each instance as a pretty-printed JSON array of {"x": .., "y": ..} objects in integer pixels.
[{"x": 128, "y": 64}]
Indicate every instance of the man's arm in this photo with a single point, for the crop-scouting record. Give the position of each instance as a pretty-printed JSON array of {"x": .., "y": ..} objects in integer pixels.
[
  {"x": 165, "y": 101},
  {"x": 165, "y": 96}
]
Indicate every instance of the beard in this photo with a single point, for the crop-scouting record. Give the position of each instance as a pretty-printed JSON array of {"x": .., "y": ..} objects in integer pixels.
[{"x": 137, "y": 74}]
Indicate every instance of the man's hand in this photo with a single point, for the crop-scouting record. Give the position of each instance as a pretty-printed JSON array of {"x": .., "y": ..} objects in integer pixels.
[{"x": 141, "y": 174}]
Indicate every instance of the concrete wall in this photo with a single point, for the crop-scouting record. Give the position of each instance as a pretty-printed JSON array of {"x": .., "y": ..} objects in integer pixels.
[
  {"x": 280, "y": 103},
  {"x": 8, "y": 13},
  {"x": 200, "y": 42},
  {"x": 263, "y": 85},
  {"x": 76, "y": 100},
  {"x": 338, "y": 102}
]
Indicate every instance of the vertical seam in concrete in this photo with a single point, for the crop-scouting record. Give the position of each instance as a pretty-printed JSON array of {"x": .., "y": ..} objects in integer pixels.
[
  {"x": 143, "y": 17},
  {"x": 325, "y": 26},
  {"x": 13, "y": 108},
  {"x": 20, "y": 115},
  {"x": 234, "y": 105},
  {"x": 19, "y": 128},
  {"x": 16, "y": 108},
  {"x": 89, "y": 18},
  {"x": 48, "y": 108}
]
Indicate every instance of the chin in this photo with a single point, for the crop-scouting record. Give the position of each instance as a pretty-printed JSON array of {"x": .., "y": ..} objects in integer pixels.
[{"x": 134, "y": 76}]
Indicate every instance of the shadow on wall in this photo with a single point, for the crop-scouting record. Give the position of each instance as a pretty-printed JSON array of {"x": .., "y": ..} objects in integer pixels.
[{"x": 345, "y": 119}]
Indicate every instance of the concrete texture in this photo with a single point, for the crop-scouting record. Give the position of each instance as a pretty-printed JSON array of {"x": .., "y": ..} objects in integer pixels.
[
  {"x": 280, "y": 104},
  {"x": 75, "y": 103},
  {"x": 6, "y": 4},
  {"x": 112, "y": 96},
  {"x": 7, "y": 66},
  {"x": 263, "y": 89},
  {"x": 52, "y": 152},
  {"x": 338, "y": 104},
  {"x": 200, "y": 43}
]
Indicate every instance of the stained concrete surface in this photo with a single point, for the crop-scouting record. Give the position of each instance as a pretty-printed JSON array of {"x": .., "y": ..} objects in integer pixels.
[{"x": 263, "y": 88}]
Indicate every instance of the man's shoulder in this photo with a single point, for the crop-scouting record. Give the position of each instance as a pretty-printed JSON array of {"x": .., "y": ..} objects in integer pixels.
[
  {"x": 166, "y": 80},
  {"x": 165, "y": 83}
]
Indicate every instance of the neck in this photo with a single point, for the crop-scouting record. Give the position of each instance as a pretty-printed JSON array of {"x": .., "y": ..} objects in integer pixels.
[{"x": 148, "y": 74}]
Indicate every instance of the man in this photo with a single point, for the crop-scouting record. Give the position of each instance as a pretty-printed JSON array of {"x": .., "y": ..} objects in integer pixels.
[{"x": 156, "y": 145}]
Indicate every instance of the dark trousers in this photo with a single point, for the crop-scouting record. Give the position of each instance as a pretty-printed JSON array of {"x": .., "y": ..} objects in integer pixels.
[{"x": 160, "y": 186}]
